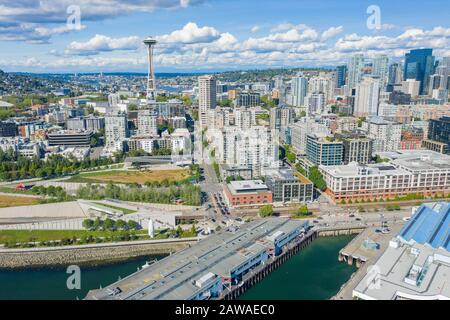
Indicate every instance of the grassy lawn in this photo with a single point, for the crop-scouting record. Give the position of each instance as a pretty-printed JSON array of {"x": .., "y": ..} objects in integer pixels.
[
  {"x": 124, "y": 210},
  {"x": 17, "y": 236},
  {"x": 132, "y": 176},
  {"x": 12, "y": 201}
]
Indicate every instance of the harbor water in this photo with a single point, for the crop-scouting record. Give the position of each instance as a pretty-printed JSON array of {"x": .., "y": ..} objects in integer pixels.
[{"x": 314, "y": 273}]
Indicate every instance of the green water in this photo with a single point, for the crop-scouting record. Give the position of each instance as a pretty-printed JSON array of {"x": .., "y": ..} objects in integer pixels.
[
  {"x": 315, "y": 273},
  {"x": 50, "y": 283}
]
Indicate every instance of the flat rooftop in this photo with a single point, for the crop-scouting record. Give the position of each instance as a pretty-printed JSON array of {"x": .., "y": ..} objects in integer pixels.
[
  {"x": 287, "y": 174},
  {"x": 173, "y": 277},
  {"x": 432, "y": 161},
  {"x": 417, "y": 272},
  {"x": 247, "y": 186},
  {"x": 379, "y": 121},
  {"x": 354, "y": 169}
]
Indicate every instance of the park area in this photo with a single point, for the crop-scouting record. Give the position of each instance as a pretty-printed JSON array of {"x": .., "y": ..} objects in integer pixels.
[
  {"x": 13, "y": 201},
  {"x": 10, "y": 238},
  {"x": 125, "y": 177}
]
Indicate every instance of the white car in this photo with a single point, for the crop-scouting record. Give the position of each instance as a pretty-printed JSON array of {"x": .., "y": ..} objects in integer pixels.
[{"x": 406, "y": 219}]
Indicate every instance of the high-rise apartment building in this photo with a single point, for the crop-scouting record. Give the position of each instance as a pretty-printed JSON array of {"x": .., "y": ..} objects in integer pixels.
[
  {"x": 299, "y": 90},
  {"x": 316, "y": 103},
  {"x": 244, "y": 118},
  {"x": 116, "y": 130},
  {"x": 147, "y": 122},
  {"x": 254, "y": 148},
  {"x": 323, "y": 85},
  {"x": 281, "y": 117},
  {"x": 380, "y": 69},
  {"x": 386, "y": 135},
  {"x": 206, "y": 98},
  {"x": 367, "y": 97},
  {"x": 355, "y": 70}
]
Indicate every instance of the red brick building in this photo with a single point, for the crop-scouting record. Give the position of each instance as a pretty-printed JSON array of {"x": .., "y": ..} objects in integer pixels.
[
  {"x": 411, "y": 139},
  {"x": 247, "y": 193}
]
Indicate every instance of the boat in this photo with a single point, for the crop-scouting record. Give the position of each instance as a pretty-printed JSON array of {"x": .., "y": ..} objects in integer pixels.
[{"x": 148, "y": 264}]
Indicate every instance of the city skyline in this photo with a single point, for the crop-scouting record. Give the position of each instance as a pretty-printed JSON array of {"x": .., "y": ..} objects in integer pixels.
[{"x": 210, "y": 35}]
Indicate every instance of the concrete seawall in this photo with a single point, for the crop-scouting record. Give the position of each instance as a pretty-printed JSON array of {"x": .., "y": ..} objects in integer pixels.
[
  {"x": 86, "y": 254},
  {"x": 344, "y": 231}
]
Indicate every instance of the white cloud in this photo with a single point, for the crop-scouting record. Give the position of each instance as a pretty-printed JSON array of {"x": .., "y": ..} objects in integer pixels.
[
  {"x": 331, "y": 32},
  {"x": 101, "y": 43},
  {"x": 193, "y": 47},
  {"x": 190, "y": 33},
  {"x": 22, "y": 17},
  {"x": 255, "y": 29}
]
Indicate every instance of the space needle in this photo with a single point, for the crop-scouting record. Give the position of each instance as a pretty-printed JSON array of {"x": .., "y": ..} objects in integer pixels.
[{"x": 151, "y": 85}]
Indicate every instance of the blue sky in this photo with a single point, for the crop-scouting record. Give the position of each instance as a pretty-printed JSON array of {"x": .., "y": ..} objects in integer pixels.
[{"x": 204, "y": 35}]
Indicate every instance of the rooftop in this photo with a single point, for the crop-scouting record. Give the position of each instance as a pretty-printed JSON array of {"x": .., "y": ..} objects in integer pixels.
[
  {"x": 70, "y": 132},
  {"x": 416, "y": 272},
  {"x": 247, "y": 186},
  {"x": 429, "y": 225},
  {"x": 174, "y": 277},
  {"x": 354, "y": 169},
  {"x": 379, "y": 121}
]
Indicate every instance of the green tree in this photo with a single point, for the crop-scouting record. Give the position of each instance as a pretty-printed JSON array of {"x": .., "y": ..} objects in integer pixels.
[
  {"x": 316, "y": 177},
  {"x": 88, "y": 224},
  {"x": 109, "y": 224},
  {"x": 266, "y": 211},
  {"x": 303, "y": 211},
  {"x": 132, "y": 225},
  {"x": 121, "y": 225},
  {"x": 97, "y": 224},
  {"x": 179, "y": 232}
]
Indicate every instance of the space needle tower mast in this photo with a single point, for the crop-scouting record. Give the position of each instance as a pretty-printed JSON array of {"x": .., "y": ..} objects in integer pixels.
[{"x": 151, "y": 85}]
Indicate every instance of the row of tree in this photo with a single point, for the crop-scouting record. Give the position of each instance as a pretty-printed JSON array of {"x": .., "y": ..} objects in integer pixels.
[
  {"x": 13, "y": 166},
  {"x": 110, "y": 225},
  {"x": 188, "y": 194}
]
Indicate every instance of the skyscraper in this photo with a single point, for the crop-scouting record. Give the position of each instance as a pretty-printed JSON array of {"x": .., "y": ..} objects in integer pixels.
[
  {"x": 316, "y": 104},
  {"x": 395, "y": 74},
  {"x": 367, "y": 97},
  {"x": 206, "y": 98},
  {"x": 299, "y": 87},
  {"x": 116, "y": 130},
  {"x": 355, "y": 67},
  {"x": 380, "y": 69},
  {"x": 147, "y": 122},
  {"x": 341, "y": 72},
  {"x": 281, "y": 117},
  {"x": 419, "y": 65}
]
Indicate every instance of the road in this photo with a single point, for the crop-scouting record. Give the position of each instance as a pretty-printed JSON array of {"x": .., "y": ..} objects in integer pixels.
[{"x": 209, "y": 186}]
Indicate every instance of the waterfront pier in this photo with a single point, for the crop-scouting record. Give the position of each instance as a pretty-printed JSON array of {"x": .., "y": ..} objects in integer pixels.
[
  {"x": 259, "y": 273},
  {"x": 362, "y": 252}
]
